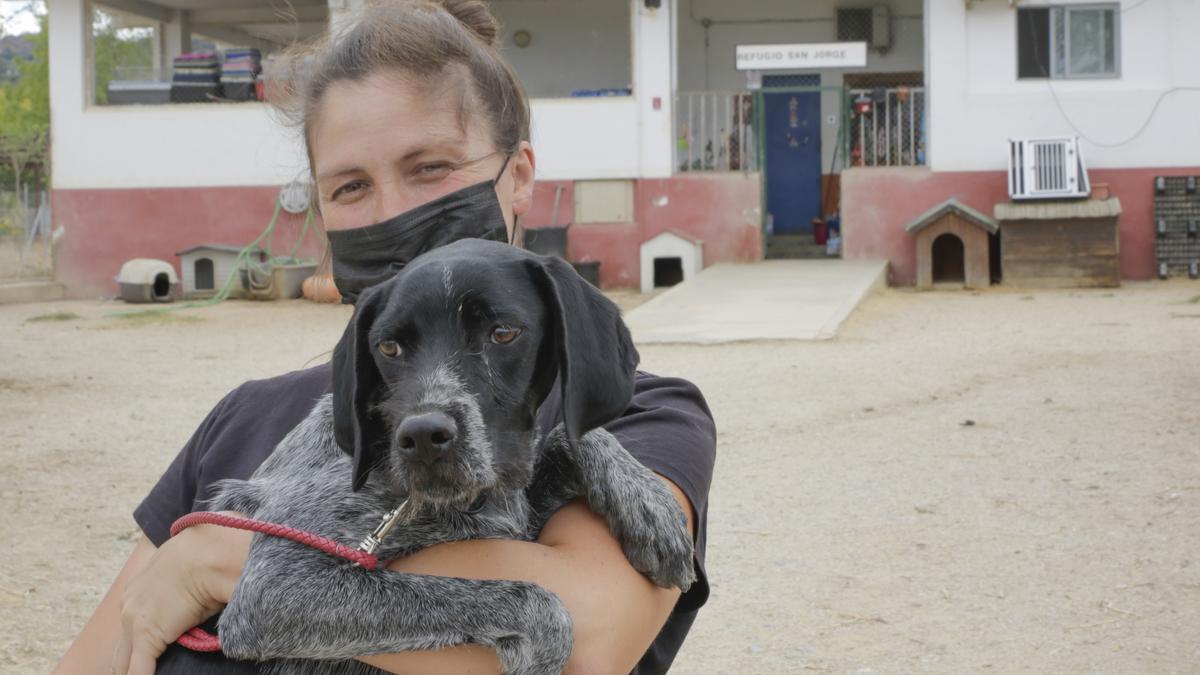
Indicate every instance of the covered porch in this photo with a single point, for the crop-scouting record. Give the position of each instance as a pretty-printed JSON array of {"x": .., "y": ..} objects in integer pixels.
[{"x": 759, "y": 92}]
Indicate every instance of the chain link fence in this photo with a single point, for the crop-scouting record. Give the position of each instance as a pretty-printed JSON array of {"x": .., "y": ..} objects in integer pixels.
[
  {"x": 887, "y": 126},
  {"x": 25, "y": 237}
]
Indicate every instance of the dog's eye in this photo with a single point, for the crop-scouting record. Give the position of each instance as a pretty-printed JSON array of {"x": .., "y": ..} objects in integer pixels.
[
  {"x": 389, "y": 348},
  {"x": 503, "y": 335}
]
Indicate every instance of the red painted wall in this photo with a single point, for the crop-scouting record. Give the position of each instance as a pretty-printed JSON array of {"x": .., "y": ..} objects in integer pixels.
[
  {"x": 877, "y": 204},
  {"x": 720, "y": 209},
  {"x": 105, "y": 228},
  {"x": 541, "y": 213}
]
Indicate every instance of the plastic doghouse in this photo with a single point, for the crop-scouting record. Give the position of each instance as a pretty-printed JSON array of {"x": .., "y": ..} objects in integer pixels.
[{"x": 148, "y": 280}]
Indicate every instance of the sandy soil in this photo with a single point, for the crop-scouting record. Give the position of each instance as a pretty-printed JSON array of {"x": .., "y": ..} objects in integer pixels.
[{"x": 960, "y": 482}]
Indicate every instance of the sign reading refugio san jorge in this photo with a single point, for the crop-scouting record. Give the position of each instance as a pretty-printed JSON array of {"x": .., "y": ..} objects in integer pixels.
[{"x": 823, "y": 55}]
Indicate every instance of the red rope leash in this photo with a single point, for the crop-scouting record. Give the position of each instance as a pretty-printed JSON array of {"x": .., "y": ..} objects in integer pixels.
[{"x": 200, "y": 640}]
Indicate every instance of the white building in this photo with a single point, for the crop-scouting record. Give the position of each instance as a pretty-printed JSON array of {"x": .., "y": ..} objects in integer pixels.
[{"x": 739, "y": 159}]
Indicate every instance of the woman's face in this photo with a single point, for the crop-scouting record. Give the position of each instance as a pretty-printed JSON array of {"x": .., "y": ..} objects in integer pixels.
[{"x": 382, "y": 146}]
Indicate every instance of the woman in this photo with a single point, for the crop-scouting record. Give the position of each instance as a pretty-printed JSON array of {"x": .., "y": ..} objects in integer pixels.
[{"x": 412, "y": 111}]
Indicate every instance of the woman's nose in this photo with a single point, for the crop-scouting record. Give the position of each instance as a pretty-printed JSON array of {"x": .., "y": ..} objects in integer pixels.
[{"x": 393, "y": 197}]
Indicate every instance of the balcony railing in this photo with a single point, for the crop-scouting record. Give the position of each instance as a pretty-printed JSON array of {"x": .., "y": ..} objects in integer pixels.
[
  {"x": 714, "y": 131},
  {"x": 887, "y": 127}
]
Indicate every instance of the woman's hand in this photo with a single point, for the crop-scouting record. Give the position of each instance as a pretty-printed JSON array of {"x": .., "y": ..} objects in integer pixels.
[{"x": 187, "y": 580}]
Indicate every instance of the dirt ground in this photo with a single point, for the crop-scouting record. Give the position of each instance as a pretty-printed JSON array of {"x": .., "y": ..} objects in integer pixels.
[{"x": 960, "y": 482}]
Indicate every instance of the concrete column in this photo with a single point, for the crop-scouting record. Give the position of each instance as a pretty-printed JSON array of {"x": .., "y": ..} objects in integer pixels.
[
  {"x": 945, "y": 75},
  {"x": 176, "y": 36},
  {"x": 653, "y": 74},
  {"x": 70, "y": 43}
]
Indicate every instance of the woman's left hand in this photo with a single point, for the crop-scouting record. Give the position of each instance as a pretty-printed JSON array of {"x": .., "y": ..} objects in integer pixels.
[{"x": 188, "y": 579}]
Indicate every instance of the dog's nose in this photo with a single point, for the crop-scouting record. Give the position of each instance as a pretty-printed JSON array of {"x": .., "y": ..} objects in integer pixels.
[{"x": 426, "y": 436}]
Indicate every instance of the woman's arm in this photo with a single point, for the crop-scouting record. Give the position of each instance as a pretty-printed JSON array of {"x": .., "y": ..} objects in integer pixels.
[
  {"x": 159, "y": 594},
  {"x": 616, "y": 611},
  {"x": 93, "y": 647}
]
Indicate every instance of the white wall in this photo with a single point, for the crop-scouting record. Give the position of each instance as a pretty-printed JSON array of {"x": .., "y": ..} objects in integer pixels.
[
  {"x": 245, "y": 144},
  {"x": 586, "y": 138},
  {"x": 154, "y": 146},
  {"x": 708, "y": 68},
  {"x": 577, "y": 44},
  {"x": 614, "y": 137},
  {"x": 977, "y": 103}
]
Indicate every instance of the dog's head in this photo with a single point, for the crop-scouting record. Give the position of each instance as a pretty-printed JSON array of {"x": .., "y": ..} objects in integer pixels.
[{"x": 439, "y": 375}]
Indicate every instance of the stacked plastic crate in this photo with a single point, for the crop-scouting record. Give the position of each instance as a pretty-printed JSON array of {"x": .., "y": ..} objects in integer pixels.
[
  {"x": 239, "y": 74},
  {"x": 196, "y": 78}
]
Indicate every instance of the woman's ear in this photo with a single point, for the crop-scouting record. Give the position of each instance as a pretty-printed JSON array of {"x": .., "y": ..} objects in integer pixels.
[{"x": 524, "y": 165}]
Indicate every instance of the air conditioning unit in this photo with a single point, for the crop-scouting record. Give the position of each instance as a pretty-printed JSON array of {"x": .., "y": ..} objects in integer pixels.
[
  {"x": 872, "y": 25},
  {"x": 881, "y": 28},
  {"x": 1046, "y": 168}
]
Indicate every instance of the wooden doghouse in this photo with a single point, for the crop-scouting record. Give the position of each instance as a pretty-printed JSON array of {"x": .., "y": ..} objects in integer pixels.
[
  {"x": 1060, "y": 244},
  {"x": 952, "y": 245}
]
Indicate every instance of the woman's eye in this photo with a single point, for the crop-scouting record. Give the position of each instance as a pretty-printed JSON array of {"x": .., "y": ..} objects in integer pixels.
[
  {"x": 503, "y": 335},
  {"x": 434, "y": 170},
  {"x": 348, "y": 189},
  {"x": 389, "y": 348}
]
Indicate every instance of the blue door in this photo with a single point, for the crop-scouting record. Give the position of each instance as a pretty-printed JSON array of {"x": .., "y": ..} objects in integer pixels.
[{"x": 792, "y": 141}]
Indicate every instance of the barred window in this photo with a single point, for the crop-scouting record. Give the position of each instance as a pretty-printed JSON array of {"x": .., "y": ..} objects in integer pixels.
[{"x": 1075, "y": 41}]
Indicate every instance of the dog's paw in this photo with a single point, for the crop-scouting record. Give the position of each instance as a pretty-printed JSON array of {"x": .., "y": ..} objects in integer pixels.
[
  {"x": 549, "y": 634},
  {"x": 653, "y": 533}
]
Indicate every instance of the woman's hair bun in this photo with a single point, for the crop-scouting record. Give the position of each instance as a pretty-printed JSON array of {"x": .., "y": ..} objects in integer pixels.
[{"x": 475, "y": 15}]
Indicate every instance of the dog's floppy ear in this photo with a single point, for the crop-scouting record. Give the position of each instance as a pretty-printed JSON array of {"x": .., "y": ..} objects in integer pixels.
[
  {"x": 357, "y": 428},
  {"x": 592, "y": 347}
]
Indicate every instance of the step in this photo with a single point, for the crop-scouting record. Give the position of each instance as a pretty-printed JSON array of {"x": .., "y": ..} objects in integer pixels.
[
  {"x": 12, "y": 293},
  {"x": 794, "y": 247}
]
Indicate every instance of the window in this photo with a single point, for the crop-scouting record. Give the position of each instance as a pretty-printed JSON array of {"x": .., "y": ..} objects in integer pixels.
[
  {"x": 124, "y": 50},
  {"x": 1075, "y": 41},
  {"x": 188, "y": 51}
]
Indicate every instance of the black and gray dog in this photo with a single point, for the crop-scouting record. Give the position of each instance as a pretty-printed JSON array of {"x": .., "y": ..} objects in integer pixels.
[{"x": 437, "y": 383}]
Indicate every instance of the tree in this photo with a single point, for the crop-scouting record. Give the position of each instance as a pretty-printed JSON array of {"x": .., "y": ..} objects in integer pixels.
[
  {"x": 25, "y": 109},
  {"x": 118, "y": 49}
]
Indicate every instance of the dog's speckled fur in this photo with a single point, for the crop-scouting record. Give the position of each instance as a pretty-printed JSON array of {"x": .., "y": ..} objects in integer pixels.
[{"x": 306, "y": 612}]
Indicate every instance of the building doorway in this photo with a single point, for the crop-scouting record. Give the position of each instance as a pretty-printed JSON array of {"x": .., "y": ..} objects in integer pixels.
[{"x": 792, "y": 152}]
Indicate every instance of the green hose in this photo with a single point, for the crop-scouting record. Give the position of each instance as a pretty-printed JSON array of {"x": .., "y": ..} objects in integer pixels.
[{"x": 243, "y": 260}]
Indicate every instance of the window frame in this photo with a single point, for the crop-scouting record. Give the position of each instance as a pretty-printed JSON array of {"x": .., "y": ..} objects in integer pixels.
[{"x": 1052, "y": 67}]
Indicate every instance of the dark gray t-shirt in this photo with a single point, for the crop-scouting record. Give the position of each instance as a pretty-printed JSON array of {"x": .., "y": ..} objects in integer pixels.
[{"x": 667, "y": 427}]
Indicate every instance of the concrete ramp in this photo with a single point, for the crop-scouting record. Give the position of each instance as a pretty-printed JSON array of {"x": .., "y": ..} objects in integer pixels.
[{"x": 768, "y": 300}]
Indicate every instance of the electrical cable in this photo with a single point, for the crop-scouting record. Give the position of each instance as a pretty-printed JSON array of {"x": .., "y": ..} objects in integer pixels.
[
  {"x": 1130, "y": 139},
  {"x": 1037, "y": 54}
]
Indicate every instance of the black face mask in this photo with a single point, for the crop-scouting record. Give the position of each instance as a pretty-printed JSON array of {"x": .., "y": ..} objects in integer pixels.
[{"x": 365, "y": 256}]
